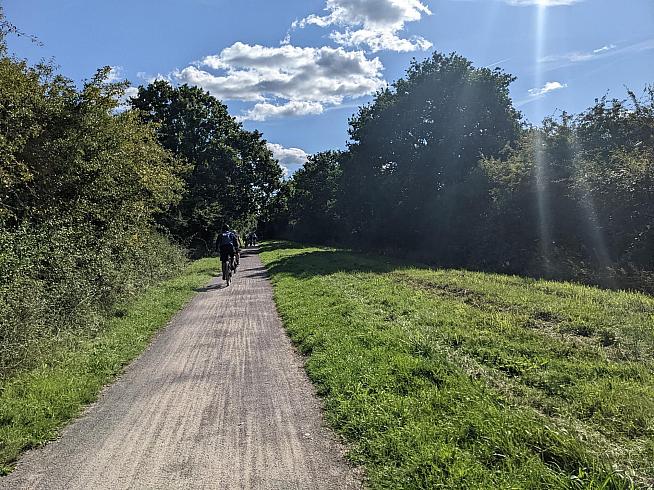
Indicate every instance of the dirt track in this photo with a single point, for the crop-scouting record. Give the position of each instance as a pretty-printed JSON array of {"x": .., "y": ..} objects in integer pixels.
[{"x": 219, "y": 400}]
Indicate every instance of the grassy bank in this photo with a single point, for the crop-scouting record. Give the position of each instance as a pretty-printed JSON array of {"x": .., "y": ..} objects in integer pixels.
[
  {"x": 35, "y": 404},
  {"x": 455, "y": 379}
]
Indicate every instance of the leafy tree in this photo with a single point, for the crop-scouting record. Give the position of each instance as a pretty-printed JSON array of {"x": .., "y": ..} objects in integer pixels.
[
  {"x": 233, "y": 174},
  {"x": 80, "y": 184},
  {"x": 575, "y": 196},
  {"x": 530, "y": 188},
  {"x": 615, "y": 175},
  {"x": 314, "y": 215},
  {"x": 275, "y": 217},
  {"x": 414, "y": 147},
  {"x": 439, "y": 165}
]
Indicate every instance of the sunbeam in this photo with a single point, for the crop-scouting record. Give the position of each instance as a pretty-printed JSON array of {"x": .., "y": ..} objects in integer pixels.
[
  {"x": 545, "y": 234},
  {"x": 593, "y": 226}
]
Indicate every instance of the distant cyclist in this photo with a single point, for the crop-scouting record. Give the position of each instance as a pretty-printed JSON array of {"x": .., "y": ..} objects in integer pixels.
[{"x": 227, "y": 250}]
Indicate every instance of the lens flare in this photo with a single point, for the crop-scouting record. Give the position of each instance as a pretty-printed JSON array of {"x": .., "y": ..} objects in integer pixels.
[
  {"x": 540, "y": 155},
  {"x": 593, "y": 226}
]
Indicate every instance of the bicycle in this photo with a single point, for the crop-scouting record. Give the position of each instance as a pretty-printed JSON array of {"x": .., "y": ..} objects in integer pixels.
[{"x": 228, "y": 268}]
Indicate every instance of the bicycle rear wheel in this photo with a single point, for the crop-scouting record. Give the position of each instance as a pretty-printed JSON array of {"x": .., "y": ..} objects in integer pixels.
[{"x": 227, "y": 271}]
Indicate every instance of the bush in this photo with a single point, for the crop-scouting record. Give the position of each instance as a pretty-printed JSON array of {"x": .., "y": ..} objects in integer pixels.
[{"x": 80, "y": 186}]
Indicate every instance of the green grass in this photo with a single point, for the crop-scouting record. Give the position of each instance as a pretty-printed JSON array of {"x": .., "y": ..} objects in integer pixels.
[
  {"x": 457, "y": 379},
  {"x": 36, "y": 404}
]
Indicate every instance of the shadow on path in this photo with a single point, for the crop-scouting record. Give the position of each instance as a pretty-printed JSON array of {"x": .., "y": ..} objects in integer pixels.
[{"x": 211, "y": 287}]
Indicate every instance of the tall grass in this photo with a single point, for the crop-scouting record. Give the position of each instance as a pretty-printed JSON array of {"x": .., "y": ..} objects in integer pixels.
[
  {"x": 57, "y": 286},
  {"x": 456, "y": 379}
]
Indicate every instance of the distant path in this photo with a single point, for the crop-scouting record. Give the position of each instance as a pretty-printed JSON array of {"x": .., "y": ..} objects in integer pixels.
[{"x": 219, "y": 400}]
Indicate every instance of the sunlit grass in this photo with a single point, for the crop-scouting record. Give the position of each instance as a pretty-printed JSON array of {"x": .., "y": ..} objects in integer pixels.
[{"x": 470, "y": 380}]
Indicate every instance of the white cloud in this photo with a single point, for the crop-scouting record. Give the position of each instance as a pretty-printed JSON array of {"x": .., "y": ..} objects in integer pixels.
[
  {"x": 131, "y": 92},
  {"x": 304, "y": 80},
  {"x": 379, "y": 40},
  {"x": 548, "y": 87},
  {"x": 372, "y": 23},
  {"x": 147, "y": 78},
  {"x": 604, "y": 49},
  {"x": 123, "y": 100},
  {"x": 263, "y": 111},
  {"x": 290, "y": 159},
  {"x": 115, "y": 74}
]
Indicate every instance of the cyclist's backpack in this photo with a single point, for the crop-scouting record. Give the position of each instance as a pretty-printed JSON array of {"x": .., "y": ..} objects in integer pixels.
[{"x": 226, "y": 239}]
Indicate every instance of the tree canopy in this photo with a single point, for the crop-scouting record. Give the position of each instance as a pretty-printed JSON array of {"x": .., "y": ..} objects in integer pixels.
[
  {"x": 418, "y": 142},
  {"x": 232, "y": 175}
]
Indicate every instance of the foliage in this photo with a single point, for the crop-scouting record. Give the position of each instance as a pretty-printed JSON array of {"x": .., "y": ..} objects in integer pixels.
[
  {"x": 582, "y": 189},
  {"x": 233, "y": 174},
  {"x": 440, "y": 166},
  {"x": 416, "y": 148},
  {"x": 80, "y": 184},
  {"x": 275, "y": 217},
  {"x": 456, "y": 379},
  {"x": 312, "y": 204}
]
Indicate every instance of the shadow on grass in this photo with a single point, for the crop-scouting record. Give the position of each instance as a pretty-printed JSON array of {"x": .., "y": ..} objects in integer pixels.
[
  {"x": 326, "y": 262},
  {"x": 273, "y": 245}
]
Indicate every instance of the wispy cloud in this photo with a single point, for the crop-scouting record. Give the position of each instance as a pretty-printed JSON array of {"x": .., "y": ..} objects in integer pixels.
[
  {"x": 497, "y": 63},
  {"x": 547, "y": 88},
  {"x": 530, "y": 3},
  {"x": 578, "y": 56},
  {"x": 557, "y": 61},
  {"x": 604, "y": 49}
]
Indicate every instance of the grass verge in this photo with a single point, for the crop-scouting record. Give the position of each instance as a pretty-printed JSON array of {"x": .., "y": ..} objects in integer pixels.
[
  {"x": 34, "y": 405},
  {"x": 457, "y": 379}
]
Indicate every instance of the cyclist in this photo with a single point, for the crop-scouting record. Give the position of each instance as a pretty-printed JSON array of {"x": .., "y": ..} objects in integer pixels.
[{"x": 227, "y": 249}]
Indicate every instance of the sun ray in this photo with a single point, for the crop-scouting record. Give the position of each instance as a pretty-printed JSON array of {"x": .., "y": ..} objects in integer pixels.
[{"x": 540, "y": 155}]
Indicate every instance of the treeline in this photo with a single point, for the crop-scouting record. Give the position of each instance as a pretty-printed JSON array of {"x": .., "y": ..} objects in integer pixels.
[
  {"x": 98, "y": 199},
  {"x": 442, "y": 167}
]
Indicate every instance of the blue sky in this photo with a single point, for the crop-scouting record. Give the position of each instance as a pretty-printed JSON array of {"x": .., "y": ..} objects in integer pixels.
[{"x": 297, "y": 69}]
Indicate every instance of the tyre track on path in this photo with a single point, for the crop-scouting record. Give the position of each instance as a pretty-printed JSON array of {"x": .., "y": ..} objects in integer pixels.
[{"x": 219, "y": 400}]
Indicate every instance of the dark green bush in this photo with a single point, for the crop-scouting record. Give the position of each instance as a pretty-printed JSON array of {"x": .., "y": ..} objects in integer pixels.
[{"x": 80, "y": 186}]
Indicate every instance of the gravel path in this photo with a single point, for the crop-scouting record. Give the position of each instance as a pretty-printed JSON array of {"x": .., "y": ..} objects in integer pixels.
[{"x": 219, "y": 400}]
